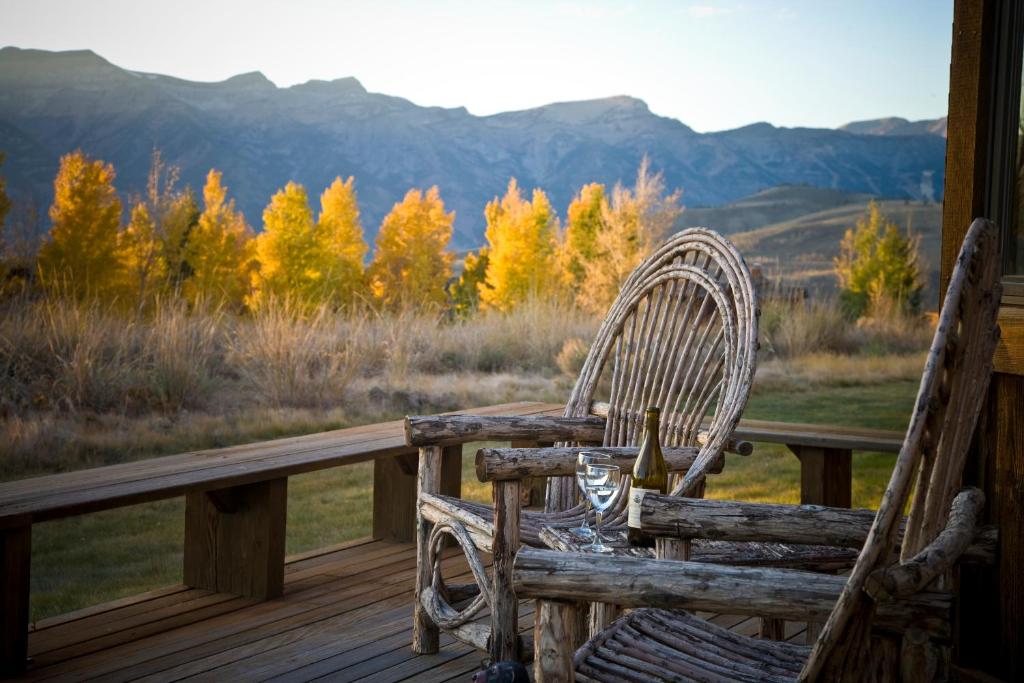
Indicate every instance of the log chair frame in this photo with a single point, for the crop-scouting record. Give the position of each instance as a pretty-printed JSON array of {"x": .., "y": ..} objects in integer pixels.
[
  {"x": 682, "y": 334},
  {"x": 897, "y": 584}
]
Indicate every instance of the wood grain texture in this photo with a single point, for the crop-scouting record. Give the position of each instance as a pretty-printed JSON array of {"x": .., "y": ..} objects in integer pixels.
[
  {"x": 553, "y": 635},
  {"x": 826, "y": 475},
  {"x": 394, "y": 493},
  {"x": 428, "y": 481},
  {"x": 781, "y": 593},
  {"x": 15, "y": 566},
  {"x": 518, "y": 463},
  {"x": 444, "y": 430},
  {"x": 504, "y": 605},
  {"x": 102, "y": 488},
  {"x": 1009, "y": 355},
  {"x": 761, "y": 522},
  {"x": 937, "y": 557},
  {"x": 241, "y": 551}
]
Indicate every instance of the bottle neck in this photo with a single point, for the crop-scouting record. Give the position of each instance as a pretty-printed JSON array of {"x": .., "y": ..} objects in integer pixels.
[{"x": 652, "y": 424}]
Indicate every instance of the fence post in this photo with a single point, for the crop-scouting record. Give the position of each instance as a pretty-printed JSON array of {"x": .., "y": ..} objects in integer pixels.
[
  {"x": 826, "y": 475},
  {"x": 15, "y": 564}
]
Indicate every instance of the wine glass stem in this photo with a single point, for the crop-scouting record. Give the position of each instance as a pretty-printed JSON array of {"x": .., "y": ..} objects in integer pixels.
[{"x": 597, "y": 529}]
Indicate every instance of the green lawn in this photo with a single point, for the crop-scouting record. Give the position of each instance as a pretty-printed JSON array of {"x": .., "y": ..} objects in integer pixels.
[{"x": 103, "y": 556}]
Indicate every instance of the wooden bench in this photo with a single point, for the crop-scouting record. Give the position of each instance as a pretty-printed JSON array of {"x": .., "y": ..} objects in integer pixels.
[
  {"x": 235, "y": 510},
  {"x": 236, "y": 499}
]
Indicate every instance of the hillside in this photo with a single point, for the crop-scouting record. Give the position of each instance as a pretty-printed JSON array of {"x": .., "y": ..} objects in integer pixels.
[
  {"x": 800, "y": 249},
  {"x": 774, "y": 205},
  {"x": 261, "y": 136}
]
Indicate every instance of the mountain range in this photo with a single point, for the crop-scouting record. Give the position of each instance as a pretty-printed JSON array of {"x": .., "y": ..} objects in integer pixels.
[{"x": 262, "y": 136}]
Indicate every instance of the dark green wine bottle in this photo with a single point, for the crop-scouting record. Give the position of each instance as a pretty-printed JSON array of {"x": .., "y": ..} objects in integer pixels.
[{"x": 649, "y": 476}]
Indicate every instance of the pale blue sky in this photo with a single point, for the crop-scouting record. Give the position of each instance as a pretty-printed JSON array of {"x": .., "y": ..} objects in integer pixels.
[{"x": 713, "y": 65}]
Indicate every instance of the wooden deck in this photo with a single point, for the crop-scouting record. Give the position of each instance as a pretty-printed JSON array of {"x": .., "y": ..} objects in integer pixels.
[{"x": 345, "y": 616}]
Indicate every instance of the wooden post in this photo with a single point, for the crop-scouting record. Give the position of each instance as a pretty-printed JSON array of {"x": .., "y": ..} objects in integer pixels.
[
  {"x": 505, "y": 607},
  {"x": 234, "y": 539},
  {"x": 826, "y": 478},
  {"x": 15, "y": 564},
  {"x": 554, "y": 633},
  {"x": 394, "y": 492},
  {"x": 826, "y": 475},
  {"x": 534, "y": 488}
]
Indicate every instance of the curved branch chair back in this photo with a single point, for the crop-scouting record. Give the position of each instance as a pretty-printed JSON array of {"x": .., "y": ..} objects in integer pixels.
[
  {"x": 955, "y": 380},
  {"x": 681, "y": 335}
]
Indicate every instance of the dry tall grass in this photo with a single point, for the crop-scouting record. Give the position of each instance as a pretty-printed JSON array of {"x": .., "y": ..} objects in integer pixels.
[{"x": 87, "y": 386}]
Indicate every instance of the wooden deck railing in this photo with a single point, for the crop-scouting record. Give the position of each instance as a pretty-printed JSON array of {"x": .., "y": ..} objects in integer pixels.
[{"x": 236, "y": 499}]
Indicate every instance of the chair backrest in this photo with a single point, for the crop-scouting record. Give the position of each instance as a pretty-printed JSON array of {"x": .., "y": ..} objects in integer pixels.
[
  {"x": 953, "y": 387},
  {"x": 682, "y": 335}
]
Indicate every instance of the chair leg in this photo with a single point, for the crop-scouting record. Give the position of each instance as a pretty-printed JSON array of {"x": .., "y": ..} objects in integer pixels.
[
  {"x": 425, "y": 633},
  {"x": 504, "y": 644},
  {"x": 553, "y": 635}
]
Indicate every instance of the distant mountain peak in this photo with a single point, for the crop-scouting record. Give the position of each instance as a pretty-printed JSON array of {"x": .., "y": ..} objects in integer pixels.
[
  {"x": 896, "y": 125},
  {"x": 250, "y": 79},
  {"x": 347, "y": 85}
]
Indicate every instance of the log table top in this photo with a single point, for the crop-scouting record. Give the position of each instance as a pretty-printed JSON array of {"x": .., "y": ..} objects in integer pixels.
[{"x": 815, "y": 557}]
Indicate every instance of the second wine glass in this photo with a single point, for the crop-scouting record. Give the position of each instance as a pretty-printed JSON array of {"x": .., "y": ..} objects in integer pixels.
[
  {"x": 602, "y": 488},
  {"x": 582, "y": 460}
]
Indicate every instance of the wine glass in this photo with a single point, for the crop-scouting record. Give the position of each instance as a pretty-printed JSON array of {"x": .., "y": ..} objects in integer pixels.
[
  {"x": 582, "y": 460},
  {"x": 602, "y": 487}
]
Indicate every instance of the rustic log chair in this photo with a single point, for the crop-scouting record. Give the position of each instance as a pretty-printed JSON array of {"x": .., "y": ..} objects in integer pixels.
[
  {"x": 682, "y": 334},
  {"x": 884, "y": 622}
]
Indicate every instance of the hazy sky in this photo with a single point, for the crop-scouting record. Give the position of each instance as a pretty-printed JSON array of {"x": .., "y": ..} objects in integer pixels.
[{"x": 713, "y": 65}]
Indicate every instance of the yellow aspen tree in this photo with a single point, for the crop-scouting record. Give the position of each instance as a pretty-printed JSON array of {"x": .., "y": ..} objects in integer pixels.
[
  {"x": 219, "y": 250},
  {"x": 522, "y": 239},
  {"x": 286, "y": 251},
  {"x": 80, "y": 257},
  {"x": 410, "y": 263},
  {"x": 465, "y": 291},
  {"x": 340, "y": 244},
  {"x": 145, "y": 268},
  {"x": 584, "y": 220},
  {"x": 634, "y": 222}
]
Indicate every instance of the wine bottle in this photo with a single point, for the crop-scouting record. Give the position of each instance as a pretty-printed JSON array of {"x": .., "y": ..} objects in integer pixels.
[{"x": 649, "y": 476}]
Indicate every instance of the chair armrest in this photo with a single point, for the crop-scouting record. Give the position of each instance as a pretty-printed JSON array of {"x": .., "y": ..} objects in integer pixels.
[
  {"x": 447, "y": 430},
  {"x": 497, "y": 464},
  {"x": 937, "y": 557},
  {"x": 780, "y": 593},
  {"x": 726, "y": 520},
  {"x": 737, "y": 446}
]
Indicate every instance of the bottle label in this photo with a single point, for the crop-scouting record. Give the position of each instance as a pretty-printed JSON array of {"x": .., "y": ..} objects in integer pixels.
[{"x": 636, "y": 498}]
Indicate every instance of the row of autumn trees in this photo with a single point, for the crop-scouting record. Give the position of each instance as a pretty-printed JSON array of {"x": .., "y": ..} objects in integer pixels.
[{"x": 209, "y": 255}]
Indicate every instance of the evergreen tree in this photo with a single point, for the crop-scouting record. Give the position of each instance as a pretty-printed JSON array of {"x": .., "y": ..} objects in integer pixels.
[
  {"x": 219, "y": 251},
  {"x": 287, "y": 251},
  {"x": 522, "y": 239},
  {"x": 410, "y": 264},
  {"x": 80, "y": 257},
  {"x": 465, "y": 291},
  {"x": 584, "y": 221},
  {"x": 340, "y": 244},
  {"x": 877, "y": 266}
]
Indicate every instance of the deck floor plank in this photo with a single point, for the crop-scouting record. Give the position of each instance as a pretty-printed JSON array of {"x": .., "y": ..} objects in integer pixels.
[{"x": 346, "y": 615}]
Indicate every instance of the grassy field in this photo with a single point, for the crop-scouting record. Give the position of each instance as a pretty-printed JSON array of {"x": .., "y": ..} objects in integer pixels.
[{"x": 99, "y": 557}]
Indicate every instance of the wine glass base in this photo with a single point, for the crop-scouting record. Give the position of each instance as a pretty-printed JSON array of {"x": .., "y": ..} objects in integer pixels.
[
  {"x": 597, "y": 548},
  {"x": 583, "y": 532}
]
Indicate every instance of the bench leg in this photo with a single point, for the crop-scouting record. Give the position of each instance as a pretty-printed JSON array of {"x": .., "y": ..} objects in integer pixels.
[
  {"x": 394, "y": 492},
  {"x": 15, "y": 563},
  {"x": 234, "y": 539}
]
